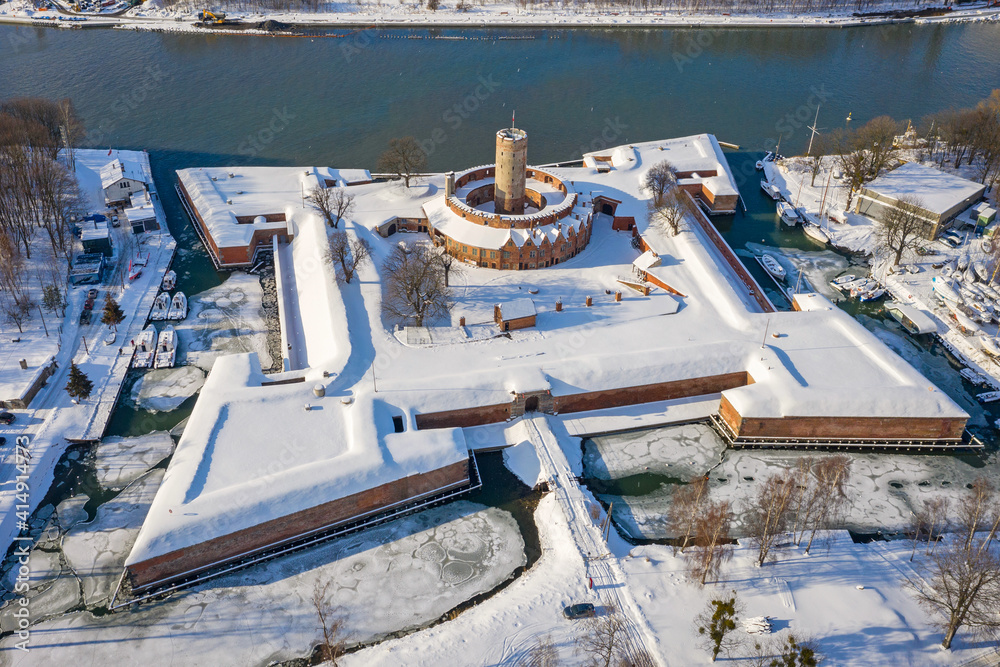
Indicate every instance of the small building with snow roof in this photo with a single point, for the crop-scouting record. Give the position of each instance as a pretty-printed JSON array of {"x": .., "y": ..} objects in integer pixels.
[
  {"x": 515, "y": 314},
  {"x": 120, "y": 181},
  {"x": 941, "y": 196}
]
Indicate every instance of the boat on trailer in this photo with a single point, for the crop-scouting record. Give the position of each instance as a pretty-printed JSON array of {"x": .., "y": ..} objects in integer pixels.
[
  {"x": 145, "y": 348},
  {"x": 772, "y": 266},
  {"x": 178, "y": 307}
]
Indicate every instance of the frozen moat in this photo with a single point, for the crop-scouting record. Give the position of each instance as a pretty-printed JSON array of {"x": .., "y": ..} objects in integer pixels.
[
  {"x": 390, "y": 579},
  {"x": 639, "y": 471}
]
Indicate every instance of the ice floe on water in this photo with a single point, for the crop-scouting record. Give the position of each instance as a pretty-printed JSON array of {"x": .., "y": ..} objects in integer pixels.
[
  {"x": 165, "y": 389},
  {"x": 884, "y": 489},
  {"x": 817, "y": 267},
  {"x": 226, "y": 319},
  {"x": 119, "y": 461},
  {"x": 395, "y": 577}
]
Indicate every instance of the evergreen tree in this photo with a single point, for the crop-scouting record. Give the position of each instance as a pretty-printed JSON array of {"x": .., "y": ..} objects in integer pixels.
[
  {"x": 716, "y": 623},
  {"x": 79, "y": 385},
  {"x": 52, "y": 298},
  {"x": 113, "y": 313}
]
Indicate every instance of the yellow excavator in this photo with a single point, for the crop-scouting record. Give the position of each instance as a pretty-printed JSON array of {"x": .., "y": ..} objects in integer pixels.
[{"x": 210, "y": 18}]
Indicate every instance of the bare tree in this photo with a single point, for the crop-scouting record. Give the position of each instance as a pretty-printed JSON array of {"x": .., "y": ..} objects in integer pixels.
[
  {"x": 876, "y": 139},
  {"x": 669, "y": 213},
  {"x": 15, "y": 312},
  {"x": 767, "y": 512},
  {"x": 900, "y": 227},
  {"x": 929, "y": 522},
  {"x": 711, "y": 541},
  {"x": 685, "y": 506},
  {"x": 541, "y": 654},
  {"x": 333, "y": 204},
  {"x": 448, "y": 264},
  {"x": 717, "y": 623},
  {"x": 978, "y": 510},
  {"x": 347, "y": 254},
  {"x": 414, "y": 285},
  {"x": 404, "y": 158},
  {"x": 829, "y": 494},
  {"x": 604, "y": 642},
  {"x": 962, "y": 587},
  {"x": 660, "y": 179},
  {"x": 331, "y": 623}
]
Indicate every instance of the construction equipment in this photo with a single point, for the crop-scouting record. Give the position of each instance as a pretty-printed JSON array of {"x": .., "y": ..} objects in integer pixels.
[{"x": 210, "y": 18}]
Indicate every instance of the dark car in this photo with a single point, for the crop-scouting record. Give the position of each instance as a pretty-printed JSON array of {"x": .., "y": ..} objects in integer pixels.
[
  {"x": 85, "y": 317},
  {"x": 6, "y": 417},
  {"x": 582, "y": 610}
]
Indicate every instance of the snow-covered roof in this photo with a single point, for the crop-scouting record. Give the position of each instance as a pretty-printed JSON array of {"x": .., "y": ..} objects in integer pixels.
[
  {"x": 139, "y": 213},
  {"x": 253, "y": 453},
  {"x": 938, "y": 191},
  {"x": 140, "y": 198},
  {"x": 94, "y": 231},
  {"x": 517, "y": 308},
  {"x": 921, "y": 320},
  {"x": 646, "y": 261},
  {"x": 116, "y": 170},
  {"x": 466, "y": 231}
]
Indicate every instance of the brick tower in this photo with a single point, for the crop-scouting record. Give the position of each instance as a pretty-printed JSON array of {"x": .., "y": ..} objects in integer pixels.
[{"x": 512, "y": 156}]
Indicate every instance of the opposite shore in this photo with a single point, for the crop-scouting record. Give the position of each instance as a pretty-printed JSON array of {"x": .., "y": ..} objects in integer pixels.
[{"x": 491, "y": 16}]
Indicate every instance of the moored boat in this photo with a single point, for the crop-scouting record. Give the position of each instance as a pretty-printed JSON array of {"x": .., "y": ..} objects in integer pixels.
[
  {"x": 166, "y": 348},
  {"x": 815, "y": 233},
  {"x": 772, "y": 266},
  {"x": 161, "y": 304},
  {"x": 771, "y": 190},
  {"x": 990, "y": 347},
  {"x": 980, "y": 270},
  {"x": 788, "y": 214},
  {"x": 169, "y": 281},
  {"x": 873, "y": 294},
  {"x": 178, "y": 307},
  {"x": 145, "y": 348},
  {"x": 944, "y": 291}
]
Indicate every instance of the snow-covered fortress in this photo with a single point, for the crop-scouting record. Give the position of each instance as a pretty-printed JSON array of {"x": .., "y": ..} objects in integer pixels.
[{"x": 366, "y": 418}]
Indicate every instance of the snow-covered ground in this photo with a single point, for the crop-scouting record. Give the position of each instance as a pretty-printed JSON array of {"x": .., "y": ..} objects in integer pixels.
[{"x": 370, "y": 13}]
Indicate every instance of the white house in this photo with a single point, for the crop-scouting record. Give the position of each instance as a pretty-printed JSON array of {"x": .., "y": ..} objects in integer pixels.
[{"x": 120, "y": 181}]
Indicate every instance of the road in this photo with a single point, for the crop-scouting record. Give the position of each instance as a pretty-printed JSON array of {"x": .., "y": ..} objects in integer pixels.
[{"x": 602, "y": 566}]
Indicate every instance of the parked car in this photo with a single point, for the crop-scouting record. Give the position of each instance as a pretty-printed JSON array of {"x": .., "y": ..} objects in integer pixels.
[
  {"x": 114, "y": 221},
  {"x": 92, "y": 293},
  {"x": 88, "y": 304},
  {"x": 85, "y": 317},
  {"x": 582, "y": 610},
  {"x": 6, "y": 418},
  {"x": 949, "y": 241}
]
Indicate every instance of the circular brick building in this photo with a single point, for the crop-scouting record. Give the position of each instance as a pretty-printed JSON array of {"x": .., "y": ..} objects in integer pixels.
[{"x": 509, "y": 216}]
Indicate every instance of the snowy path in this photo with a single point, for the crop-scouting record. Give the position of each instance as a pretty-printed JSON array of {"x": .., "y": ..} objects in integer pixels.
[
  {"x": 603, "y": 567},
  {"x": 294, "y": 339}
]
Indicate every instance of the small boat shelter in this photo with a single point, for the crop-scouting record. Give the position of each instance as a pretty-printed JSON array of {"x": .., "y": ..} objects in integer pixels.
[{"x": 913, "y": 319}]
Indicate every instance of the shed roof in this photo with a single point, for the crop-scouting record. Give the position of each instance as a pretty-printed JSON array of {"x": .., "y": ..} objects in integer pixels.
[
  {"x": 938, "y": 191},
  {"x": 517, "y": 308}
]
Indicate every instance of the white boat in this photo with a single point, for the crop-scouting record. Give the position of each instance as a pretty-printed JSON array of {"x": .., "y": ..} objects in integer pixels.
[
  {"x": 772, "y": 266},
  {"x": 166, "y": 348},
  {"x": 160, "y": 307},
  {"x": 759, "y": 165},
  {"x": 980, "y": 311},
  {"x": 771, "y": 190},
  {"x": 944, "y": 291},
  {"x": 169, "y": 281},
  {"x": 872, "y": 295},
  {"x": 863, "y": 286},
  {"x": 963, "y": 262},
  {"x": 980, "y": 270},
  {"x": 969, "y": 276},
  {"x": 788, "y": 214},
  {"x": 947, "y": 270},
  {"x": 988, "y": 396},
  {"x": 965, "y": 322},
  {"x": 134, "y": 272},
  {"x": 990, "y": 347},
  {"x": 815, "y": 233},
  {"x": 840, "y": 281},
  {"x": 145, "y": 348},
  {"x": 178, "y": 307}
]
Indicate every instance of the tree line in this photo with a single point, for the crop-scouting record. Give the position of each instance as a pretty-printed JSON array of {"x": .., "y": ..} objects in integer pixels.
[{"x": 38, "y": 191}]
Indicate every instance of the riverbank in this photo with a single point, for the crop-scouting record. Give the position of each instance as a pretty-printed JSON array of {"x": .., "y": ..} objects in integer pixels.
[{"x": 380, "y": 16}]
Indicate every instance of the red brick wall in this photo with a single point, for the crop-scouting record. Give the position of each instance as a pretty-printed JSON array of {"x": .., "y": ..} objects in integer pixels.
[
  {"x": 664, "y": 391},
  {"x": 487, "y": 414},
  {"x": 853, "y": 428},
  {"x": 293, "y": 526}
]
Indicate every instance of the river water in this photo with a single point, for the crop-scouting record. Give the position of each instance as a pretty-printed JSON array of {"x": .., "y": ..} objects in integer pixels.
[{"x": 207, "y": 100}]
